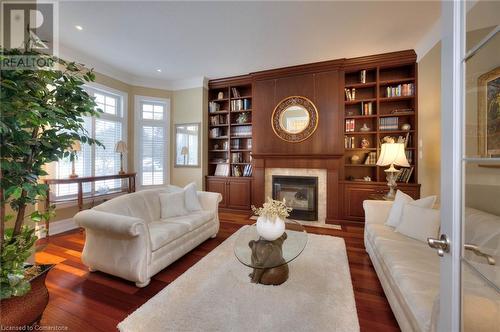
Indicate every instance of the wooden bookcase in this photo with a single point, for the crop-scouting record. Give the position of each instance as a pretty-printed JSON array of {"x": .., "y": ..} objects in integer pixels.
[
  {"x": 388, "y": 115},
  {"x": 230, "y": 141}
]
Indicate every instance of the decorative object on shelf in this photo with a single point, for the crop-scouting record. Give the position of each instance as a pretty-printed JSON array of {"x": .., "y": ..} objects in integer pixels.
[
  {"x": 362, "y": 76},
  {"x": 187, "y": 143},
  {"x": 237, "y": 170},
  {"x": 224, "y": 145},
  {"x": 216, "y": 146},
  {"x": 365, "y": 143},
  {"x": 387, "y": 139},
  {"x": 74, "y": 149},
  {"x": 367, "y": 178},
  {"x": 489, "y": 114},
  {"x": 242, "y": 118},
  {"x": 355, "y": 159},
  {"x": 392, "y": 154},
  {"x": 365, "y": 128},
  {"x": 220, "y": 95},
  {"x": 213, "y": 107},
  {"x": 121, "y": 148},
  {"x": 294, "y": 119},
  {"x": 405, "y": 126},
  {"x": 271, "y": 220}
]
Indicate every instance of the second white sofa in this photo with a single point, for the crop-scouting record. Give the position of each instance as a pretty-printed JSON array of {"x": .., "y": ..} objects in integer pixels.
[{"x": 126, "y": 237}]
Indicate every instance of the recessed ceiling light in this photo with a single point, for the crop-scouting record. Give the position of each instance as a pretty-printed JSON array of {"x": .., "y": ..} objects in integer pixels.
[
  {"x": 79, "y": 27},
  {"x": 158, "y": 70}
]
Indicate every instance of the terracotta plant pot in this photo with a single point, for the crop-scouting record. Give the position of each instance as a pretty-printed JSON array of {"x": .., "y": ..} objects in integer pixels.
[{"x": 27, "y": 310}]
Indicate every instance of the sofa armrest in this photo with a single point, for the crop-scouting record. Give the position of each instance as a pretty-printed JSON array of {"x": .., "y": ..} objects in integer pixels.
[
  {"x": 376, "y": 212},
  {"x": 104, "y": 222},
  {"x": 209, "y": 201}
]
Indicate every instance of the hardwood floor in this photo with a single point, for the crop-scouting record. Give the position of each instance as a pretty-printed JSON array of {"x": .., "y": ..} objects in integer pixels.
[{"x": 84, "y": 301}]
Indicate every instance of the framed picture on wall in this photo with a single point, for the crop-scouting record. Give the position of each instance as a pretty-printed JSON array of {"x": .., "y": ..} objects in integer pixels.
[
  {"x": 187, "y": 145},
  {"x": 489, "y": 114}
]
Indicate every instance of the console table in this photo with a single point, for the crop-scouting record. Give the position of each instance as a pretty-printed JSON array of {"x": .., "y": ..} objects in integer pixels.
[{"x": 84, "y": 179}]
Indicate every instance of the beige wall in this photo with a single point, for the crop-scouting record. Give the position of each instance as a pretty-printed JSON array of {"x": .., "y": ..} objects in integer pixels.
[
  {"x": 188, "y": 107},
  {"x": 429, "y": 121}
]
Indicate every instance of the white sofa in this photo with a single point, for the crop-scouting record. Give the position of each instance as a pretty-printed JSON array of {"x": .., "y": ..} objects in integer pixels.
[
  {"x": 126, "y": 238},
  {"x": 408, "y": 270}
]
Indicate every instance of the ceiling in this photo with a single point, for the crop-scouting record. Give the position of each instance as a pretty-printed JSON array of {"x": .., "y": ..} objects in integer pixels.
[{"x": 186, "y": 40}]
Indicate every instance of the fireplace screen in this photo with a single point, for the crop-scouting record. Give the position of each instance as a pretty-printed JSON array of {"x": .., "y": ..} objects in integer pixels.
[{"x": 300, "y": 193}]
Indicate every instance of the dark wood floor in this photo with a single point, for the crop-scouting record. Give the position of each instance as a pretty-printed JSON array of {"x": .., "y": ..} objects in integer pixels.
[{"x": 85, "y": 301}]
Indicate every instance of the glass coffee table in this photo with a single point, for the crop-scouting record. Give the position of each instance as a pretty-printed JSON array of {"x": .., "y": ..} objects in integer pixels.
[{"x": 269, "y": 259}]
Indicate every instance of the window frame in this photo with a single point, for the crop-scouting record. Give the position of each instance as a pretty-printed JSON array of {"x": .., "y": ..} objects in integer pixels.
[
  {"x": 138, "y": 123},
  {"x": 122, "y": 109}
]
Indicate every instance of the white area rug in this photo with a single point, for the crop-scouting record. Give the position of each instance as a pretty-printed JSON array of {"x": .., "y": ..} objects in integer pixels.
[{"x": 216, "y": 295}]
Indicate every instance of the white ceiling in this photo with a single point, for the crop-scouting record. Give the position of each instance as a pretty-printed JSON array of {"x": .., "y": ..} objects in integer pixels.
[{"x": 187, "y": 40}]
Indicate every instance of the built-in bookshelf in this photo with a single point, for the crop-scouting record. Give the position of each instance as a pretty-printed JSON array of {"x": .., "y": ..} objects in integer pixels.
[
  {"x": 230, "y": 131},
  {"x": 379, "y": 102}
]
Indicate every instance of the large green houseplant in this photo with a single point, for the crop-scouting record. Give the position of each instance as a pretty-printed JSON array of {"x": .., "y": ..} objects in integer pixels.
[{"x": 41, "y": 116}]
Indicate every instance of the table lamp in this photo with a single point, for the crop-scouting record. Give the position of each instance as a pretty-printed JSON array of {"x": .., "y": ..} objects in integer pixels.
[
  {"x": 75, "y": 148},
  {"x": 392, "y": 154},
  {"x": 185, "y": 152},
  {"x": 121, "y": 148}
]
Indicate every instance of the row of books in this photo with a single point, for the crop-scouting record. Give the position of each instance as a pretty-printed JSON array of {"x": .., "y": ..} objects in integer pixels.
[
  {"x": 241, "y": 104},
  {"x": 405, "y": 174},
  {"x": 236, "y": 93},
  {"x": 350, "y": 94},
  {"x": 217, "y": 132},
  {"x": 349, "y": 142},
  {"x": 409, "y": 155},
  {"x": 218, "y": 119},
  {"x": 237, "y": 144},
  {"x": 350, "y": 125},
  {"x": 367, "y": 108},
  {"x": 239, "y": 157},
  {"x": 241, "y": 131},
  {"x": 371, "y": 158},
  {"x": 222, "y": 170},
  {"x": 247, "y": 170},
  {"x": 390, "y": 123},
  {"x": 407, "y": 89}
]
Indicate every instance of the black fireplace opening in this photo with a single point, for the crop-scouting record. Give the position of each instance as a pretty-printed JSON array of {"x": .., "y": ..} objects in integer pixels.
[{"x": 300, "y": 193}]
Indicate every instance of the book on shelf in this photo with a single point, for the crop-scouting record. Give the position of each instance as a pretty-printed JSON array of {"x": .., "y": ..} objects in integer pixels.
[
  {"x": 371, "y": 158},
  {"x": 366, "y": 108},
  {"x": 241, "y": 104},
  {"x": 389, "y": 123},
  {"x": 400, "y": 90},
  {"x": 213, "y": 107},
  {"x": 237, "y": 157},
  {"x": 217, "y": 132},
  {"x": 349, "y": 142},
  {"x": 247, "y": 170},
  {"x": 405, "y": 174},
  {"x": 222, "y": 170},
  {"x": 218, "y": 119},
  {"x": 236, "y": 93},
  {"x": 350, "y": 94},
  {"x": 242, "y": 131},
  {"x": 350, "y": 125}
]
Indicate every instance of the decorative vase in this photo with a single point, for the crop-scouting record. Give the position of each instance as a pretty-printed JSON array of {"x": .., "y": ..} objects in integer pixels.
[
  {"x": 270, "y": 230},
  {"x": 26, "y": 311}
]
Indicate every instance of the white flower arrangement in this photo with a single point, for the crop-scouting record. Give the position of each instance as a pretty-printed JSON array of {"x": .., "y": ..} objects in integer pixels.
[{"x": 273, "y": 209}]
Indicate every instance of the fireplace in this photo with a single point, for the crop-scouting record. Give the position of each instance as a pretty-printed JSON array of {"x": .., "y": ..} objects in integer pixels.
[{"x": 300, "y": 193}]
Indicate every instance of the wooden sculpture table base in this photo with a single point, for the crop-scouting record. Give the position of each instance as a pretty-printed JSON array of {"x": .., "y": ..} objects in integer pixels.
[{"x": 269, "y": 253}]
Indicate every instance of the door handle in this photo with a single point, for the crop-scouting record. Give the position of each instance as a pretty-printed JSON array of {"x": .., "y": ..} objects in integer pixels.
[
  {"x": 442, "y": 244},
  {"x": 475, "y": 249}
]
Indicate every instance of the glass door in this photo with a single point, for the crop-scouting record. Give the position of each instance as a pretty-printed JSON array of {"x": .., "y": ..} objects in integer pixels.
[{"x": 480, "y": 256}]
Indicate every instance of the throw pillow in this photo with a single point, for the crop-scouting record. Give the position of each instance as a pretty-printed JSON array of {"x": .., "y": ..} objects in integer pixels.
[
  {"x": 172, "y": 205},
  {"x": 400, "y": 201},
  {"x": 191, "y": 197},
  {"x": 419, "y": 223}
]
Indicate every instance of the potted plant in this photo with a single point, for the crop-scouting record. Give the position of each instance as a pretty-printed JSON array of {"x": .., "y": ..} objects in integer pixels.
[
  {"x": 41, "y": 116},
  {"x": 271, "y": 220}
]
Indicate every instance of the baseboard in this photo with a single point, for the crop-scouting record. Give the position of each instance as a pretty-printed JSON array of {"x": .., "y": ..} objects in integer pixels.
[{"x": 56, "y": 227}]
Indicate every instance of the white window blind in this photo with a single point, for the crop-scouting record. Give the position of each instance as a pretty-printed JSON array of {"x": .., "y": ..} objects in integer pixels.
[
  {"x": 152, "y": 142},
  {"x": 108, "y": 128}
]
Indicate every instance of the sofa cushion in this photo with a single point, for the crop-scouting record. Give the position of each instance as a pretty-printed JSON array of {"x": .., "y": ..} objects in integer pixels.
[
  {"x": 162, "y": 233},
  {"x": 193, "y": 220},
  {"x": 191, "y": 198},
  {"x": 419, "y": 223},
  {"x": 413, "y": 269},
  {"x": 132, "y": 205},
  {"x": 172, "y": 205},
  {"x": 401, "y": 199}
]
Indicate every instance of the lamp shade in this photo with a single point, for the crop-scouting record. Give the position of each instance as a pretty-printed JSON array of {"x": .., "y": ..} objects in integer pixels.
[
  {"x": 76, "y": 147},
  {"x": 121, "y": 147},
  {"x": 393, "y": 154}
]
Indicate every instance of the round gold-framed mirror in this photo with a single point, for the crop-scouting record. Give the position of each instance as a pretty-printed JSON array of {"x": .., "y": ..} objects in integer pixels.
[{"x": 294, "y": 119}]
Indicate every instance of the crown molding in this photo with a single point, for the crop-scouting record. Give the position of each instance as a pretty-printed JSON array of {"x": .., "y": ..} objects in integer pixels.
[{"x": 130, "y": 79}]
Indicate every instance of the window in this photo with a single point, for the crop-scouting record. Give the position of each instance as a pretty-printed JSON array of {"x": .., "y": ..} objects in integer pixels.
[
  {"x": 152, "y": 124},
  {"x": 108, "y": 128}
]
